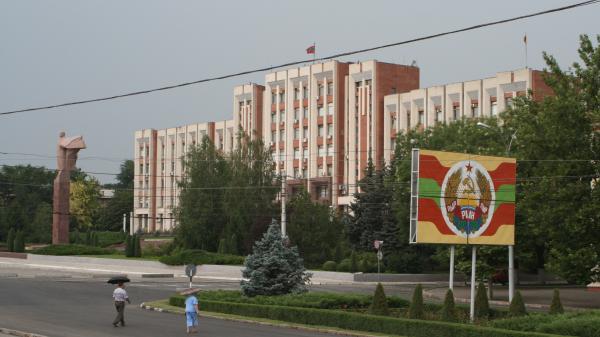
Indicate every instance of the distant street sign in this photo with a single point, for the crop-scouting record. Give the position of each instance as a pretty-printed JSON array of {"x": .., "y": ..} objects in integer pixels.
[
  {"x": 190, "y": 270},
  {"x": 377, "y": 244},
  {"x": 379, "y": 255}
]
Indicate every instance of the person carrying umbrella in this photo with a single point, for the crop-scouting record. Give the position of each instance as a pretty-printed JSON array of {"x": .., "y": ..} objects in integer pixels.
[{"x": 120, "y": 296}]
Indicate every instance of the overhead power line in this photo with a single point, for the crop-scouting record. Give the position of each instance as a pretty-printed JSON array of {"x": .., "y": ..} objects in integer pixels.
[{"x": 334, "y": 56}]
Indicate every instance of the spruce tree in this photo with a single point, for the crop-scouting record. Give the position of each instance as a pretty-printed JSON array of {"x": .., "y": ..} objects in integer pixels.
[
  {"x": 222, "y": 249},
  {"x": 129, "y": 246},
  {"x": 19, "y": 245},
  {"x": 10, "y": 240},
  {"x": 517, "y": 306},
  {"x": 379, "y": 305},
  {"x": 137, "y": 247},
  {"x": 448, "y": 311},
  {"x": 482, "y": 307},
  {"x": 556, "y": 306},
  {"x": 415, "y": 310},
  {"x": 273, "y": 268}
]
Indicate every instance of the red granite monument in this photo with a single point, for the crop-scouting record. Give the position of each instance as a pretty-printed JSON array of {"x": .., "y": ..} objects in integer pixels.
[{"x": 66, "y": 157}]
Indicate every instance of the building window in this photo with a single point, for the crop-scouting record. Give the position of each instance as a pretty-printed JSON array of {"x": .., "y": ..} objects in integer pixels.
[
  {"x": 407, "y": 119},
  {"x": 281, "y": 156},
  {"x": 455, "y": 112},
  {"x": 330, "y": 129},
  {"x": 305, "y": 132},
  {"x": 475, "y": 109},
  {"x": 493, "y": 108},
  {"x": 330, "y": 109},
  {"x": 509, "y": 103},
  {"x": 304, "y": 92},
  {"x": 321, "y": 111},
  {"x": 322, "y": 192},
  {"x": 274, "y": 156},
  {"x": 273, "y": 117},
  {"x": 305, "y": 153},
  {"x": 296, "y": 93},
  {"x": 296, "y": 153},
  {"x": 282, "y": 115},
  {"x": 282, "y": 135},
  {"x": 320, "y": 90},
  {"x": 421, "y": 117},
  {"x": 438, "y": 114},
  {"x": 305, "y": 112},
  {"x": 330, "y": 170},
  {"x": 321, "y": 131},
  {"x": 330, "y": 150},
  {"x": 273, "y": 97},
  {"x": 297, "y": 133},
  {"x": 273, "y": 136},
  {"x": 296, "y": 172},
  {"x": 282, "y": 96},
  {"x": 322, "y": 151},
  {"x": 329, "y": 88},
  {"x": 297, "y": 113},
  {"x": 304, "y": 173},
  {"x": 358, "y": 84}
]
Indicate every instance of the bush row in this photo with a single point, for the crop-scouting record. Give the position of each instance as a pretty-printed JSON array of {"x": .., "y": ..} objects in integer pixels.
[
  {"x": 197, "y": 256},
  {"x": 305, "y": 300},
  {"x": 582, "y": 324},
  {"x": 71, "y": 250},
  {"x": 358, "y": 322}
]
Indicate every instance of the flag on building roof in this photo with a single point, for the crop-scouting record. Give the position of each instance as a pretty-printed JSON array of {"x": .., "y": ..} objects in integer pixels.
[{"x": 311, "y": 49}]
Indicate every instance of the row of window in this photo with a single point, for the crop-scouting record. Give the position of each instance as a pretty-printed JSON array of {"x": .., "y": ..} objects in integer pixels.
[
  {"x": 322, "y": 152},
  {"x": 320, "y": 92},
  {"x": 302, "y": 173}
]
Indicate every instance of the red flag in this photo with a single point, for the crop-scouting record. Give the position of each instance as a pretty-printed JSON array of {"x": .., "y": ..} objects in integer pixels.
[
  {"x": 525, "y": 39},
  {"x": 311, "y": 49}
]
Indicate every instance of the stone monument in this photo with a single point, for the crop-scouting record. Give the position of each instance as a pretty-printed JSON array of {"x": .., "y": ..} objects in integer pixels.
[{"x": 66, "y": 156}]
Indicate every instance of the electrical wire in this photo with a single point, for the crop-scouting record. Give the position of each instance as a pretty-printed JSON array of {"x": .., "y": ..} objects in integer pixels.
[{"x": 288, "y": 64}]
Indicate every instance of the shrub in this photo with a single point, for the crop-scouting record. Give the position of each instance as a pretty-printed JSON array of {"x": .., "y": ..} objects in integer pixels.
[
  {"x": 379, "y": 305},
  {"x": 10, "y": 240},
  {"x": 329, "y": 266},
  {"x": 19, "y": 243},
  {"x": 448, "y": 311},
  {"x": 273, "y": 268},
  {"x": 482, "y": 306},
  {"x": 75, "y": 237},
  {"x": 556, "y": 306},
  {"x": 582, "y": 324},
  {"x": 356, "y": 321},
  {"x": 129, "y": 246},
  {"x": 222, "y": 247},
  {"x": 517, "y": 306},
  {"x": 71, "y": 250},
  {"x": 353, "y": 263},
  {"x": 415, "y": 310},
  {"x": 344, "y": 265},
  {"x": 198, "y": 257},
  {"x": 137, "y": 246}
]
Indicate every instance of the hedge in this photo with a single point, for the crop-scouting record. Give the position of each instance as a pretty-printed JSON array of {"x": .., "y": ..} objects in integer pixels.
[
  {"x": 71, "y": 250},
  {"x": 198, "y": 257},
  {"x": 317, "y": 300},
  {"x": 581, "y": 324},
  {"x": 357, "y": 322}
]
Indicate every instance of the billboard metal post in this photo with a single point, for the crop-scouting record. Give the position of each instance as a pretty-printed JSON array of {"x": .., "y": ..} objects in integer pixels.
[
  {"x": 473, "y": 271},
  {"x": 451, "y": 281},
  {"x": 511, "y": 272}
]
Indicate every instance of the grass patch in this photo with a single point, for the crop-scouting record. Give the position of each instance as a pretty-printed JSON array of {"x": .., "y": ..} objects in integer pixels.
[
  {"x": 123, "y": 257},
  {"x": 198, "y": 257},
  {"x": 164, "y": 304},
  {"x": 63, "y": 250}
]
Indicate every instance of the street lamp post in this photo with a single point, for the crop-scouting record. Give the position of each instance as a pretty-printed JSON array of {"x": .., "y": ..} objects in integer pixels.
[{"x": 511, "y": 248}]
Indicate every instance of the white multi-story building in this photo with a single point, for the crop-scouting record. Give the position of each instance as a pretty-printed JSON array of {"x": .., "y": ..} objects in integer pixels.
[{"x": 323, "y": 123}]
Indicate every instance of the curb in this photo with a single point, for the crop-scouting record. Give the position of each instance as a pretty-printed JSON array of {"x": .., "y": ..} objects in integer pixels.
[
  {"x": 19, "y": 333},
  {"x": 284, "y": 325}
]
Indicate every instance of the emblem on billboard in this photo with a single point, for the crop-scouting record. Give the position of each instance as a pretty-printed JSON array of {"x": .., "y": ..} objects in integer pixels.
[{"x": 467, "y": 199}]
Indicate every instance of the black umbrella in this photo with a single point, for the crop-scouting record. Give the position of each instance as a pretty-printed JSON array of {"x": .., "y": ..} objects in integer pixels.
[{"x": 118, "y": 279}]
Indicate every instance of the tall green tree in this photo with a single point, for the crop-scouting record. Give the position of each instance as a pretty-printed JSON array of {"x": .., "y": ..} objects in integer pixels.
[
  {"x": 111, "y": 216},
  {"x": 84, "y": 204},
  {"x": 313, "y": 228}
]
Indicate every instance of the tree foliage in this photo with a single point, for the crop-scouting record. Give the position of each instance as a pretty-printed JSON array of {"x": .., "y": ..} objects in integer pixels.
[
  {"x": 227, "y": 198},
  {"x": 273, "y": 268},
  {"x": 84, "y": 204},
  {"x": 482, "y": 306},
  {"x": 416, "y": 310},
  {"x": 379, "y": 305},
  {"x": 448, "y": 311},
  {"x": 556, "y": 305},
  {"x": 517, "y": 306},
  {"x": 110, "y": 216}
]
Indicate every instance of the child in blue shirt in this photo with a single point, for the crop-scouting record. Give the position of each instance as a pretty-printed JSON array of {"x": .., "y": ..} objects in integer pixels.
[{"x": 191, "y": 312}]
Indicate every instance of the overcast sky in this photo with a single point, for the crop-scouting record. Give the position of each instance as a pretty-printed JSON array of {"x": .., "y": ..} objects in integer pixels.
[{"x": 58, "y": 51}]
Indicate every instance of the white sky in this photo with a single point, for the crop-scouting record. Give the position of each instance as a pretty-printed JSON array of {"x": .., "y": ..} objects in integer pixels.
[{"x": 58, "y": 51}]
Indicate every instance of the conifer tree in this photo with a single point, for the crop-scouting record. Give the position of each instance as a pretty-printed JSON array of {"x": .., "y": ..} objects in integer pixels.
[
  {"x": 448, "y": 311},
  {"x": 556, "y": 306},
  {"x": 10, "y": 240},
  {"x": 379, "y": 305},
  {"x": 273, "y": 268},
  {"x": 415, "y": 310},
  {"x": 19, "y": 245},
  {"x": 517, "y": 306},
  {"x": 482, "y": 306},
  {"x": 137, "y": 248}
]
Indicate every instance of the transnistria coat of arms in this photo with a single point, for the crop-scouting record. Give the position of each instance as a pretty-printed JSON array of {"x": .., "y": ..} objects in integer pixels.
[{"x": 467, "y": 199}]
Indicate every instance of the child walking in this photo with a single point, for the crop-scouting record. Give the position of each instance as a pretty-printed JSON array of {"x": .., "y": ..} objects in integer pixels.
[{"x": 191, "y": 310}]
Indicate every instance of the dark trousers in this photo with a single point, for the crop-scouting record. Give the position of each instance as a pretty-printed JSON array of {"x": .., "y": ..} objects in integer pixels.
[{"x": 120, "y": 306}]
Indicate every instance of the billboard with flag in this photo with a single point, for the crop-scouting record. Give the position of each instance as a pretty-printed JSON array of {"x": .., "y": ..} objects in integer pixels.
[{"x": 459, "y": 198}]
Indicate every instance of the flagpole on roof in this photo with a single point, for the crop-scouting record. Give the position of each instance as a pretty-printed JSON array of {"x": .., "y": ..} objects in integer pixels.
[
  {"x": 315, "y": 53},
  {"x": 525, "y": 41}
]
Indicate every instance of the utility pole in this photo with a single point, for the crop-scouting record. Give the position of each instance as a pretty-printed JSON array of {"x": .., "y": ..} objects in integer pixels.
[{"x": 283, "y": 216}]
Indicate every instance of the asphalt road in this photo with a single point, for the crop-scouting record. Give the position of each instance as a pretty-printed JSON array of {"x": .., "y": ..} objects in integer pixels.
[{"x": 75, "y": 308}]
